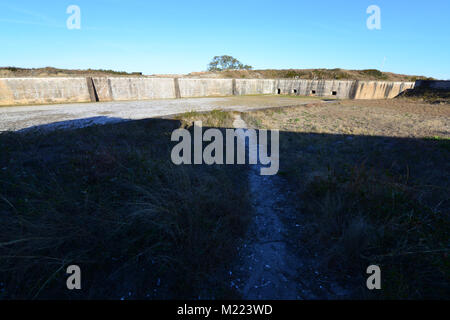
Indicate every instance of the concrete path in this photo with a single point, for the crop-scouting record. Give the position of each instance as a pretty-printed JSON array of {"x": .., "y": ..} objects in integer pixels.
[{"x": 85, "y": 114}]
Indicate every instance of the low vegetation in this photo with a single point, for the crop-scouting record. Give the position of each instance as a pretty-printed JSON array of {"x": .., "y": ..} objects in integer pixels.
[
  {"x": 427, "y": 95},
  {"x": 225, "y": 67},
  {"x": 215, "y": 118},
  {"x": 312, "y": 74},
  {"x": 370, "y": 179},
  {"x": 108, "y": 198},
  {"x": 55, "y": 72},
  {"x": 370, "y": 192}
]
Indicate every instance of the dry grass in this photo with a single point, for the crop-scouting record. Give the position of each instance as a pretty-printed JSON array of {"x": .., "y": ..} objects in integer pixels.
[
  {"x": 427, "y": 95},
  {"x": 311, "y": 74},
  {"x": 372, "y": 181},
  {"x": 108, "y": 198},
  {"x": 372, "y": 188},
  {"x": 8, "y": 72},
  {"x": 391, "y": 118},
  {"x": 215, "y": 118}
]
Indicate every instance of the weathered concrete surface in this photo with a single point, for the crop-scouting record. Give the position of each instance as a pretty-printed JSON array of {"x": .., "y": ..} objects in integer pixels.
[
  {"x": 256, "y": 86},
  {"x": 122, "y": 89},
  {"x": 380, "y": 89},
  {"x": 321, "y": 88},
  {"x": 80, "y": 115},
  {"x": 195, "y": 88},
  {"x": 15, "y": 91},
  {"x": 324, "y": 88}
]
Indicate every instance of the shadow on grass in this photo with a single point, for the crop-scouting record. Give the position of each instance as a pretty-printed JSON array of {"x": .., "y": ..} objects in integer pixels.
[
  {"x": 367, "y": 200},
  {"x": 108, "y": 198}
]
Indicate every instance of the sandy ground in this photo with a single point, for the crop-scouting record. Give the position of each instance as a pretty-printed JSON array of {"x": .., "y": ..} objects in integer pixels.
[
  {"x": 85, "y": 114},
  {"x": 390, "y": 118}
]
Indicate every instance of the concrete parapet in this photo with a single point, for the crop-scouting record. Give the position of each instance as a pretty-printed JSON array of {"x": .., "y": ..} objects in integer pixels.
[
  {"x": 15, "y": 91},
  {"x": 193, "y": 88},
  {"x": 380, "y": 89},
  {"x": 255, "y": 86},
  {"x": 120, "y": 89}
]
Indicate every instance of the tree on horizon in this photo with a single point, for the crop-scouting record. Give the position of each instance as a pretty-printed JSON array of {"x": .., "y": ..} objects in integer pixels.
[{"x": 223, "y": 63}]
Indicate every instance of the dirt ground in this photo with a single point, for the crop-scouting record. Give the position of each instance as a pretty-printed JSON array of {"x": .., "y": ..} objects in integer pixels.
[
  {"x": 393, "y": 118},
  {"x": 78, "y": 115},
  {"x": 371, "y": 181},
  {"x": 360, "y": 183}
]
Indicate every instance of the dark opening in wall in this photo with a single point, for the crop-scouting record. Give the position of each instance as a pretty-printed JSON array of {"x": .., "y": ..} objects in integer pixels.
[
  {"x": 334, "y": 93},
  {"x": 295, "y": 91},
  {"x": 279, "y": 91},
  {"x": 313, "y": 91}
]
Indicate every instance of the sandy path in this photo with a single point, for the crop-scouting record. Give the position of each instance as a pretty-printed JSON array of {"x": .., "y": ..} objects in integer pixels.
[{"x": 268, "y": 268}]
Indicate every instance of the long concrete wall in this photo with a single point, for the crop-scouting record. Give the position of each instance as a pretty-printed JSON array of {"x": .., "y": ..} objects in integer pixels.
[
  {"x": 325, "y": 88},
  {"x": 15, "y": 91},
  {"x": 321, "y": 88}
]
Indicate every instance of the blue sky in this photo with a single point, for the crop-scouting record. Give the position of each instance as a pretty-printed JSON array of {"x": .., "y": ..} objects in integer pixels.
[{"x": 182, "y": 36}]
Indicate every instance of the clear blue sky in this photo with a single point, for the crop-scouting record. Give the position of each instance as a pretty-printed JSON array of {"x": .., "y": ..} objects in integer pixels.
[{"x": 182, "y": 36}]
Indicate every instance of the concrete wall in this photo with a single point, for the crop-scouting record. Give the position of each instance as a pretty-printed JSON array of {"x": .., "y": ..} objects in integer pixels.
[
  {"x": 120, "y": 89},
  {"x": 324, "y": 88},
  {"x": 191, "y": 88},
  {"x": 321, "y": 88},
  {"x": 255, "y": 86},
  {"x": 380, "y": 89},
  {"x": 433, "y": 84},
  {"x": 15, "y": 91}
]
